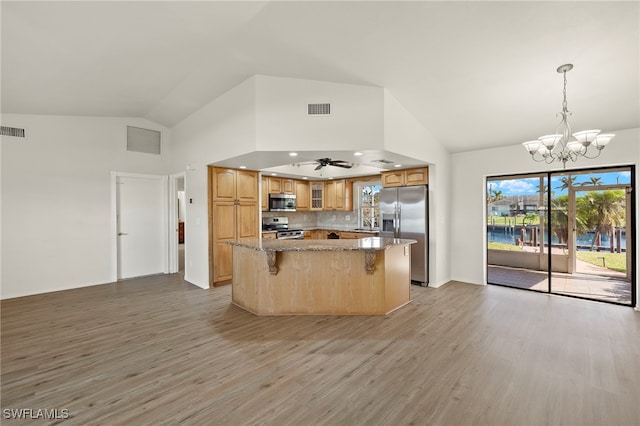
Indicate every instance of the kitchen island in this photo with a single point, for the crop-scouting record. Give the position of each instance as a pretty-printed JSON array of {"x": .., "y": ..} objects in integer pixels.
[{"x": 367, "y": 276}]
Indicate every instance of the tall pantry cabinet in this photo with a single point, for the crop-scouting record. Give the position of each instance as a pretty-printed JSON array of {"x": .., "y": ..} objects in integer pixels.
[{"x": 234, "y": 209}]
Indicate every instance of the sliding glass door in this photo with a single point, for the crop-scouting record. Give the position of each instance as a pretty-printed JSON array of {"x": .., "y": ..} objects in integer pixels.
[{"x": 568, "y": 233}]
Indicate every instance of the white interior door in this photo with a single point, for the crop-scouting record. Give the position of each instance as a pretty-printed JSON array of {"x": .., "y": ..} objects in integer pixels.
[{"x": 141, "y": 224}]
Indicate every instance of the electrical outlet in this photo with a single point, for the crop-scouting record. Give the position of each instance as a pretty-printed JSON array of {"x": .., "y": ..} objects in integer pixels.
[
  {"x": 406, "y": 250},
  {"x": 347, "y": 217}
]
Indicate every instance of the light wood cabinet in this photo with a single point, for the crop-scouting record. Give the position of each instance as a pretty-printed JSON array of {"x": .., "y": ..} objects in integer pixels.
[
  {"x": 233, "y": 216},
  {"x": 303, "y": 195},
  {"x": 264, "y": 194},
  {"x": 288, "y": 186},
  {"x": 408, "y": 177},
  {"x": 268, "y": 235},
  {"x": 275, "y": 185},
  {"x": 319, "y": 234},
  {"x": 352, "y": 235},
  {"x": 317, "y": 196},
  {"x": 308, "y": 235},
  {"x": 278, "y": 185},
  {"x": 338, "y": 195}
]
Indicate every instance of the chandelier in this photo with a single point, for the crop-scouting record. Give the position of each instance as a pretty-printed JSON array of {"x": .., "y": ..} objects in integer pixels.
[{"x": 563, "y": 145}]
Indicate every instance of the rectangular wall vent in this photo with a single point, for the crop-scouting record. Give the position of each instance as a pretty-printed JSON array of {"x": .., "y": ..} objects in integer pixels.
[
  {"x": 319, "y": 109},
  {"x": 12, "y": 131},
  {"x": 143, "y": 140}
]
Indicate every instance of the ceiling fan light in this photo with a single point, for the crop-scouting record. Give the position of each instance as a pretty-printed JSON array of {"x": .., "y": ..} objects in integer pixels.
[
  {"x": 602, "y": 140},
  {"x": 550, "y": 141},
  {"x": 532, "y": 146}
]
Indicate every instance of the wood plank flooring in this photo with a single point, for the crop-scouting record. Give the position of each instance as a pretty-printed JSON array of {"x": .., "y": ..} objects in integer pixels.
[{"x": 159, "y": 351}]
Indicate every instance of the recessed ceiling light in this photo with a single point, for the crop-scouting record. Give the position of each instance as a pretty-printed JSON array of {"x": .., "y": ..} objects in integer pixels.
[
  {"x": 358, "y": 154},
  {"x": 274, "y": 174},
  {"x": 243, "y": 167},
  {"x": 293, "y": 154},
  {"x": 397, "y": 165},
  {"x": 304, "y": 177}
]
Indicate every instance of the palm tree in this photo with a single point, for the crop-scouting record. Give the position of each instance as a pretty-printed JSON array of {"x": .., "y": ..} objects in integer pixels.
[
  {"x": 601, "y": 211},
  {"x": 567, "y": 181},
  {"x": 593, "y": 181}
]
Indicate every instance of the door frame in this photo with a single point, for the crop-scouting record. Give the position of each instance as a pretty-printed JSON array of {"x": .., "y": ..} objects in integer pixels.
[
  {"x": 173, "y": 220},
  {"x": 114, "y": 219}
]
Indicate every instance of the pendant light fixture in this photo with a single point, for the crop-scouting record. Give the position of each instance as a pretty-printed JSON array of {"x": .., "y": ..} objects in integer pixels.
[{"x": 563, "y": 145}]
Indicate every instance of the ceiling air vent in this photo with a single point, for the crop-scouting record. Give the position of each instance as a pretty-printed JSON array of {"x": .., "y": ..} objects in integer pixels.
[
  {"x": 382, "y": 161},
  {"x": 319, "y": 109},
  {"x": 12, "y": 131}
]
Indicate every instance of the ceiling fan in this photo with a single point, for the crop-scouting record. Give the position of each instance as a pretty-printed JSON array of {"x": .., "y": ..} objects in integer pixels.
[{"x": 322, "y": 162}]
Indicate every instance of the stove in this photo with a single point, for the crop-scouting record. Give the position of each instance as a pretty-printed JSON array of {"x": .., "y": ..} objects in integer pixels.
[{"x": 281, "y": 226}]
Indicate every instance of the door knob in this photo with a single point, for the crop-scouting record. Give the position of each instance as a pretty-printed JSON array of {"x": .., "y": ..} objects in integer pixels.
[{"x": 122, "y": 233}]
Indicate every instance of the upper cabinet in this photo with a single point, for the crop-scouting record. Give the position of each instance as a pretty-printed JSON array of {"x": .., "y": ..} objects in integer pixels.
[
  {"x": 338, "y": 195},
  {"x": 317, "y": 196},
  {"x": 408, "y": 177},
  {"x": 278, "y": 185},
  {"x": 232, "y": 185},
  {"x": 303, "y": 195}
]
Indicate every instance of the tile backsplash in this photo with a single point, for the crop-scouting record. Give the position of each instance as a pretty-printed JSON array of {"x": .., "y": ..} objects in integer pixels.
[{"x": 323, "y": 219}]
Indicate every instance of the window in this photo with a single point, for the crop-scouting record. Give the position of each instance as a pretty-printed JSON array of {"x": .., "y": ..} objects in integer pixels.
[{"x": 368, "y": 203}]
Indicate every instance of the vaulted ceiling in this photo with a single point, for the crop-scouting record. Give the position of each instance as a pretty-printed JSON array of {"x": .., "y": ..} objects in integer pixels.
[{"x": 476, "y": 74}]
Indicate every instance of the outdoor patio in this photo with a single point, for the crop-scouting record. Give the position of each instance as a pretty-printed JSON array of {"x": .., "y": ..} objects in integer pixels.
[{"x": 590, "y": 282}]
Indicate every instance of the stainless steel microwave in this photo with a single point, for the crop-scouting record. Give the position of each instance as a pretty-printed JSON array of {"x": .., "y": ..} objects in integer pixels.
[{"x": 282, "y": 203}]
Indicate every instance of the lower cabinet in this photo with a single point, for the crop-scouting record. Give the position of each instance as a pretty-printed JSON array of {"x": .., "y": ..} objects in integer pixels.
[{"x": 353, "y": 235}]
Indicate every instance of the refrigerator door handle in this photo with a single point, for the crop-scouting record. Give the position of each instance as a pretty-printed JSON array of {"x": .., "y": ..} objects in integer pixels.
[{"x": 397, "y": 222}]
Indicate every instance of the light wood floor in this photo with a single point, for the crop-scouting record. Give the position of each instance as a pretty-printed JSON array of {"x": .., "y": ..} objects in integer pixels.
[{"x": 159, "y": 351}]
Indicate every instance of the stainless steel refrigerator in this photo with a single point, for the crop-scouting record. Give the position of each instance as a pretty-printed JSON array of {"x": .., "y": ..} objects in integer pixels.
[{"x": 405, "y": 214}]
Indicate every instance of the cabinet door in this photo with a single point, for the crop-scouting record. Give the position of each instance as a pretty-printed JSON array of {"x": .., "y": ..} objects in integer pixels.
[
  {"x": 340, "y": 194},
  {"x": 416, "y": 176},
  {"x": 302, "y": 195},
  {"x": 247, "y": 221},
  {"x": 288, "y": 186},
  {"x": 222, "y": 184},
  {"x": 317, "y": 196},
  {"x": 275, "y": 185},
  {"x": 246, "y": 185},
  {"x": 392, "y": 179},
  {"x": 264, "y": 194},
  {"x": 330, "y": 195},
  {"x": 224, "y": 225}
]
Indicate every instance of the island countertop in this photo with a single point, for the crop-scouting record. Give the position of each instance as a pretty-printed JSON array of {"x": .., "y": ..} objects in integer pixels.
[{"x": 363, "y": 244}]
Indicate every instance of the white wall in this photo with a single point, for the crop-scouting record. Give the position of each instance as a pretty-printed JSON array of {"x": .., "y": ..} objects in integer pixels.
[
  {"x": 56, "y": 199},
  {"x": 222, "y": 129},
  {"x": 404, "y": 135},
  {"x": 282, "y": 122},
  {"x": 468, "y": 173}
]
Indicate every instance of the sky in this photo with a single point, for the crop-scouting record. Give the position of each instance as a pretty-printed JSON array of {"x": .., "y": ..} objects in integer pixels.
[{"x": 525, "y": 186}]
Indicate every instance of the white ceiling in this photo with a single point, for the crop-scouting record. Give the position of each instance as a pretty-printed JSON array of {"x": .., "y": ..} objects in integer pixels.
[{"x": 476, "y": 74}]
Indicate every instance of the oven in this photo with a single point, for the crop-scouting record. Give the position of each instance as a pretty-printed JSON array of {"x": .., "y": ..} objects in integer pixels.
[{"x": 281, "y": 226}]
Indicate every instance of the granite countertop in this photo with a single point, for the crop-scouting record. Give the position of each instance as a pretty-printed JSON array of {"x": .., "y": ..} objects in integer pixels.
[{"x": 370, "y": 243}]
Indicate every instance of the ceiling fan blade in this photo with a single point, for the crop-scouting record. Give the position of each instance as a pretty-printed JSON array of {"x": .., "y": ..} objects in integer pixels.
[
  {"x": 344, "y": 166},
  {"x": 319, "y": 167}
]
